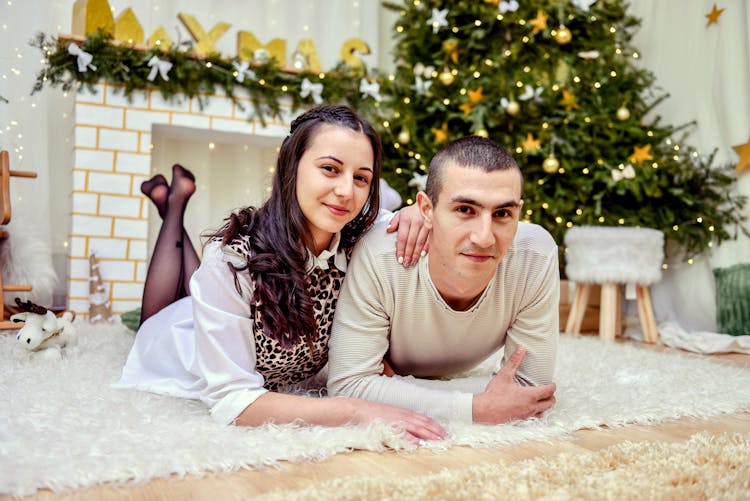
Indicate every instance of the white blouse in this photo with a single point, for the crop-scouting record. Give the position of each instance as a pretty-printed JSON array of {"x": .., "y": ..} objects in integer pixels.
[{"x": 202, "y": 346}]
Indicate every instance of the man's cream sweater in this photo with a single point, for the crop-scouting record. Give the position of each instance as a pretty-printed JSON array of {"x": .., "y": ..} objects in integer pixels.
[{"x": 386, "y": 310}]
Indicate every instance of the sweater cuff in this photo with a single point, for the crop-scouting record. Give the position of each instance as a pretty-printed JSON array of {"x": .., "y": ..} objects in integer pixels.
[{"x": 462, "y": 408}]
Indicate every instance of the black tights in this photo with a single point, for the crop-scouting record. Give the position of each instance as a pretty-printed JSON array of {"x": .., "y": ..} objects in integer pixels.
[{"x": 174, "y": 259}]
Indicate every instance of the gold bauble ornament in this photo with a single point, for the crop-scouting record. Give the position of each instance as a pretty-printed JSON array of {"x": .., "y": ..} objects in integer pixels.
[
  {"x": 622, "y": 114},
  {"x": 563, "y": 35},
  {"x": 482, "y": 133},
  {"x": 447, "y": 78},
  {"x": 550, "y": 165},
  {"x": 404, "y": 137},
  {"x": 513, "y": 108}
]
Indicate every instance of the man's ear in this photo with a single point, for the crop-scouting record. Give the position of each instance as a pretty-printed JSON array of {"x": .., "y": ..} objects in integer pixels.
[{"x": 425, "y": 208}]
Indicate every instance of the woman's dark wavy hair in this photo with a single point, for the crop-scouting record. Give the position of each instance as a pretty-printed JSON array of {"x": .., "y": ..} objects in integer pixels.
[{"x": 279, "y": 233}]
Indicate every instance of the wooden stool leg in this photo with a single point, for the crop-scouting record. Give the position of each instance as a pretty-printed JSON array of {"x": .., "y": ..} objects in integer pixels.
[
  {"x": 618, "y": 312},
  {"x": 578, "y": 308},
  {"x": 646, "y": 314},
  {"x": 608, "y": 311}
]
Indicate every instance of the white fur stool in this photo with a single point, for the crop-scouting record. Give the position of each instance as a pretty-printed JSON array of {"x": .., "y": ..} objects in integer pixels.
[{"x": 611, "y": 256}]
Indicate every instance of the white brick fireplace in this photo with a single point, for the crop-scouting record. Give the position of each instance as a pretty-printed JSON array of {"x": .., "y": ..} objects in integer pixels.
[{"x": 113, "y": 147}]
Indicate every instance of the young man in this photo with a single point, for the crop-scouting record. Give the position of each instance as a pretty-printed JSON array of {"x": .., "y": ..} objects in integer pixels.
[{"x": 403, "y": 336}]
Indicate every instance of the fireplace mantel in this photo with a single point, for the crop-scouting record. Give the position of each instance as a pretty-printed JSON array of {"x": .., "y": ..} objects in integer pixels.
[{"x": 112, "y": 156}]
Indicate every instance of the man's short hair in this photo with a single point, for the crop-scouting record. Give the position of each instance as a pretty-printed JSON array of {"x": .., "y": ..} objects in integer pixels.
[{"x": 470, "y": 151}]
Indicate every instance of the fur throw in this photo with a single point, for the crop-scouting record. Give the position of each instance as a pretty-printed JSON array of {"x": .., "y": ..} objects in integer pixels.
[
  {"x": 26, "y": 259},
  {"x": 614, "y": 254}
]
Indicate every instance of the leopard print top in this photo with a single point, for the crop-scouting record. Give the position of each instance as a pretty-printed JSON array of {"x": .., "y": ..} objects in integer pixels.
[{"x": 281, "y": 366}]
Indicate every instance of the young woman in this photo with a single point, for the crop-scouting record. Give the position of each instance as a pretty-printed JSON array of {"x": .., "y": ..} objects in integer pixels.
[{"x": 262, "y": 300}]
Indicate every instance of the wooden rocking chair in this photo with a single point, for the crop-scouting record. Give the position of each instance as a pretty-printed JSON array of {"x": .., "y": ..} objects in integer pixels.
[{"x": 5, "y": 174}]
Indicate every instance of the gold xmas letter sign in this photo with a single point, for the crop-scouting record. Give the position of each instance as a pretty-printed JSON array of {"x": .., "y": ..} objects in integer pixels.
[
  {"x": 91, "y": 15},
  {"x": 348, "y": 49},
  {"x": 205, "y": 43},
  {"x": 128, "y": 28}
]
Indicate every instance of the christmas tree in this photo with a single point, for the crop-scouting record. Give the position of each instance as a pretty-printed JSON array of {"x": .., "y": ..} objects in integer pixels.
[{"x": 556, "y": 82}]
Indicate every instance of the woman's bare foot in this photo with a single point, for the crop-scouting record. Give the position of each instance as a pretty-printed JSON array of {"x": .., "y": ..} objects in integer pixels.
[{"x": 157, "y": 190}]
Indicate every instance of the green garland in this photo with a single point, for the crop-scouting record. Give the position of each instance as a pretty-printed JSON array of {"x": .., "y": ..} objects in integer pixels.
[{"x": 123, "y": 65}]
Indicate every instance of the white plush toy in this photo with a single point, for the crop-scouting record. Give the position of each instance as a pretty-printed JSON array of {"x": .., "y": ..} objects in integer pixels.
[{"x": 43, "y": 333}]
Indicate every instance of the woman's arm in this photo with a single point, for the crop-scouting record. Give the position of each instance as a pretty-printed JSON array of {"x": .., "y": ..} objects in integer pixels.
[
  {"x": 333, "y": 411},
  {"x": 225, "y": 361}
]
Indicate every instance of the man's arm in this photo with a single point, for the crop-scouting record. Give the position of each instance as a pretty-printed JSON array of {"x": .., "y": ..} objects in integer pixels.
[
  {"x": 359, "y": 341},
  {"x": 537, "y": 325}
]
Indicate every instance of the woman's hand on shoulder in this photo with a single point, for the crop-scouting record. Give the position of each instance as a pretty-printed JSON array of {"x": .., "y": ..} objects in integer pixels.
[
  {"x": 412, "y": 235},
  {"x": 416, "y": 427}
]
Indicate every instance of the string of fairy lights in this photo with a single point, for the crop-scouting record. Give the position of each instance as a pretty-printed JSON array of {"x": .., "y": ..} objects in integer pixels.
[
  {"x": 17, "y": 76},
  {"x": 445, "y": 78}
]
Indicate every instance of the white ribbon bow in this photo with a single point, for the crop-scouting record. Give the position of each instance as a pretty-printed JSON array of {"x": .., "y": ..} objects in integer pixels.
[
  {"x": 83, "y": 58},
  {"x": 511, "y": 6},
  {"x": 316, "y": 89},
  {"x": 370, "y": 89},
  {"x": 159, "y": 66},
  {"x": 421, "y": 86},
  {"x": 426, "y": 71},
  {"x": 627, "y": 173},
  {"x": 243, "y": 71},
  {"x": 529, "y": 93}
]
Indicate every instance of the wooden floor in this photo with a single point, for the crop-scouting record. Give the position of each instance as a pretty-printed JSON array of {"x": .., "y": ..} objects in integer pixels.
[{"x": 245, "y": 484}]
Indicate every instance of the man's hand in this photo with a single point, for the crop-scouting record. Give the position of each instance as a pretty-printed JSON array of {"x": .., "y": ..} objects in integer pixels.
[
  {"x": 412, "y": 235},
  {"x": 504, "y": 400}
]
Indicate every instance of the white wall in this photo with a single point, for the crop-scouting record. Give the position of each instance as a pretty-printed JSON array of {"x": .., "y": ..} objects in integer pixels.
[{"x": 231, "y": 170}]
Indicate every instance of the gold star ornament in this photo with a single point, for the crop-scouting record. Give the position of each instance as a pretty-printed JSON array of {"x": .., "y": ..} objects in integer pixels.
[
  {"x": 531, "y": 144},
  {"x": 569, "y": 101},
  {"x": 476, "y": 95},
  {"x": 713, "y": 16},
  {"x": 743, "y": 150},
  {"x": 441, "y": 134},
  {"x": 450, "y": 46},
  {"x": 539, "y": 22},
  {"x": 641, "y": 153}
]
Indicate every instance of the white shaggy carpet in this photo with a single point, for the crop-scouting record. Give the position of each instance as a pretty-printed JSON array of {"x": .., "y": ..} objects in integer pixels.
[{"x": 63, "y": 427}]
